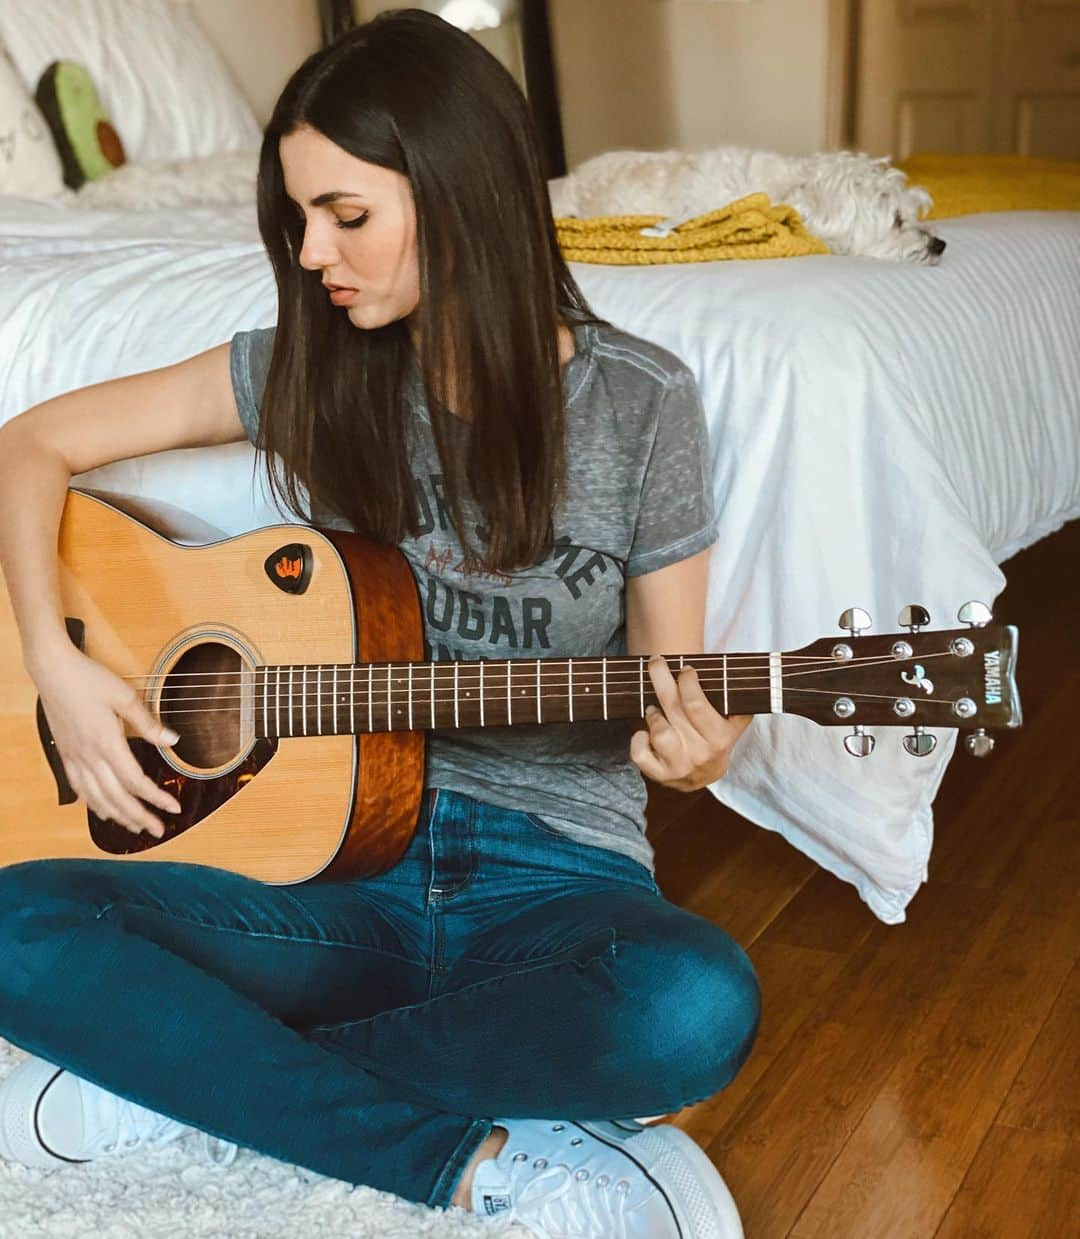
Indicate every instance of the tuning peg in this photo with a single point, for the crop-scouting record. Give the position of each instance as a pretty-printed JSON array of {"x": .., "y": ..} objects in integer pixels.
[
  {"x": 913, "y": 616},
  {"x": 919, "y": 744},
  {"x": 854, "y": 619},
  {"x": 976, "y": 614},
  {"x": 859, "y": 743},
  {"x": 979, "y": 744}
]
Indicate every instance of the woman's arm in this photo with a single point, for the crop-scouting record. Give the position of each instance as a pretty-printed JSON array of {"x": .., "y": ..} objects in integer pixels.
[
  {"x": 189, "y": 404},
  {"x": 665, "y": 610},
  {"x": 687, "y": 744}
]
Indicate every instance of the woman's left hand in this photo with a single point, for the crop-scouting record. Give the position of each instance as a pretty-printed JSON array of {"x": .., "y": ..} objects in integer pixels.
[{"x": 687, "y": 744}]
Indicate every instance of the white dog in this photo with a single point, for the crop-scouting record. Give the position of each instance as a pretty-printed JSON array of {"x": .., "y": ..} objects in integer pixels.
[{"x": 855, "y": 204}]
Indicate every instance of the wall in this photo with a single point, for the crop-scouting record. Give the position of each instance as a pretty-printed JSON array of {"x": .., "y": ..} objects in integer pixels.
[
  {"x": 646, "y": 74},
  {"x": 654, "y": 74},
  {"x": 262, "y": 43}
]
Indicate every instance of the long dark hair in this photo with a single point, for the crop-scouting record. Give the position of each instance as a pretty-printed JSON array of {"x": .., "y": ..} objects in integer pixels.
[{"x": 411, "y": 92}]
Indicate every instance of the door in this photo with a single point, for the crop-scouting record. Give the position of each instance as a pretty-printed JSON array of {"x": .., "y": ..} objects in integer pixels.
[{"x": 967, "y": 76}]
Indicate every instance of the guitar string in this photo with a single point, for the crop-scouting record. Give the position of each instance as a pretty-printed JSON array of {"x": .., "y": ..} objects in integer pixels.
[
  {"x": 279, "y": 700},
  {"x": 816, "y": 691},
  {"x": 468, "y": 674},
  {"x": 469, "y": 664},
  {"x": 297, "y": 692},
  {"x": 378, "y": 691}
]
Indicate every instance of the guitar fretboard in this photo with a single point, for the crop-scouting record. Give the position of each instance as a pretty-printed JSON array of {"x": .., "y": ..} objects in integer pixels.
[{"x": 345, "y": 699}]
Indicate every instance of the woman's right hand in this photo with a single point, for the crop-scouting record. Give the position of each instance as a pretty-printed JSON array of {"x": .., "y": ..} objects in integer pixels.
[{"x": 87, "y": 705}]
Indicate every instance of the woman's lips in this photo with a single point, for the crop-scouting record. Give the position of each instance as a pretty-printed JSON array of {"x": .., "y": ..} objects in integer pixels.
[{"x": 342, "y": 296}]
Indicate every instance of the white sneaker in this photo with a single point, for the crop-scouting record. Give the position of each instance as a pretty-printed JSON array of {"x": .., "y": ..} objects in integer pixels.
[
  {"x": 50, "y": 1117},
  {"x": 604, "y": 1180}
]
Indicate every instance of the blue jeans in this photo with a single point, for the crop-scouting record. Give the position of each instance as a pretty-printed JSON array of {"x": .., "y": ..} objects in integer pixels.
[{"x": 372, "y": 1029}]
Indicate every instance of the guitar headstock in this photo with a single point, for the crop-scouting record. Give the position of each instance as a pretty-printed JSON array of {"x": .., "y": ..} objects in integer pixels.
[{"x": 958, "y": 677}]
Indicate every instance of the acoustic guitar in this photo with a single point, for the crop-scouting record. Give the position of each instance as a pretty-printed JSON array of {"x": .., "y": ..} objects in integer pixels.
[{"x": 290, "y": 661}]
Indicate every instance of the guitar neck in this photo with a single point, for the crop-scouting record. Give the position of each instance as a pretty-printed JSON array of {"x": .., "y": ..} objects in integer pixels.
[{"x": 346, "y": 699}]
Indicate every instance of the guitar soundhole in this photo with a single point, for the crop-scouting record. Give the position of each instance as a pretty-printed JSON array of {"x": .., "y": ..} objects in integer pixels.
[{"x": 201, "y": 701}]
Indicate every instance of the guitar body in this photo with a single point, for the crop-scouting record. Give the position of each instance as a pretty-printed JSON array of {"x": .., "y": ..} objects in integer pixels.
[{"x": 283, "y": 810}]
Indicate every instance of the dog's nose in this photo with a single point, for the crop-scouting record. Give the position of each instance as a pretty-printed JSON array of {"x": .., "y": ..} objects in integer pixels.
[{"x": 936, "y": 246}]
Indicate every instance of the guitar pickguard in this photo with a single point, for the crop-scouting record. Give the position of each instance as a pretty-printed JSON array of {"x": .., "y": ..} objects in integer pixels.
[{"x": 198, "y": 797}]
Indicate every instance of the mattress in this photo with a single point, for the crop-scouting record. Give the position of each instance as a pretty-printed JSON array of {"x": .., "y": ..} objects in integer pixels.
[{"x": 880, "y": 434}]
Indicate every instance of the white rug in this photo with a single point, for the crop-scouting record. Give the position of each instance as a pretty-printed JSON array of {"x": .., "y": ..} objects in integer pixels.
[{"x": 171, "y": 1193}]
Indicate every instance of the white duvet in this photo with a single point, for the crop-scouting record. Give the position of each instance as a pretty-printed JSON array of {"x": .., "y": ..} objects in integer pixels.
[{"x": 881, "y": 434}]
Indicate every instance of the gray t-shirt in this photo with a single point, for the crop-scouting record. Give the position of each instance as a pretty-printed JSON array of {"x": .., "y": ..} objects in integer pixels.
[{"x": 638, "y": 497}]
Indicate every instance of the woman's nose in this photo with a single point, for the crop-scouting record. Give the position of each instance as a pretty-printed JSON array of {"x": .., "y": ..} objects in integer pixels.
[{"x": 317, "y": 251}]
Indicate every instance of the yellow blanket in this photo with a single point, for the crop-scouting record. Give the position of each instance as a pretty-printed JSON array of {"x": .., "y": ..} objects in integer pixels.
[
  {"x": 968, "y": 184},
  {"x": 751, "y": 227}
]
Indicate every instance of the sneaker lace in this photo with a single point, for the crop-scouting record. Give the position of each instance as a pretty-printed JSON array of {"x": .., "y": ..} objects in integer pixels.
[
  {"x": 133, "y": 1132},
  {"x": 547, "y": 1201}
]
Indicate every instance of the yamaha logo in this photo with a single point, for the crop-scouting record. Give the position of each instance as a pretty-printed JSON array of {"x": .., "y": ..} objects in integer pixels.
[{"x": 992, "y": 674}]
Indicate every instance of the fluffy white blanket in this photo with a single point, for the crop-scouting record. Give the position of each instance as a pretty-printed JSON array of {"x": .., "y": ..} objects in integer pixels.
[
  {"x": 164, "y": 183},
  {"x": 170, "y": 1192}
]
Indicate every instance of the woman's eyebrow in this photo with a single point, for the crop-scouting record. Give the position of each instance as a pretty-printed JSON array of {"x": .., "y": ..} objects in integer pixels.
[{"x": 332, "y": 195}]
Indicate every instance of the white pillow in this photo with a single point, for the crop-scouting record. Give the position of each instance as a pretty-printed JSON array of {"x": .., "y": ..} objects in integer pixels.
[
  {"x": 29, "y": 161},
  {"x": 166, "y": 89}
]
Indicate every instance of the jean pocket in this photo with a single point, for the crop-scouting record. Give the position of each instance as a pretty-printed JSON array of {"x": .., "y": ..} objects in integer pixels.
[
  {"x": 625, "y": 866},
  {"x": 546, "y": 827}
]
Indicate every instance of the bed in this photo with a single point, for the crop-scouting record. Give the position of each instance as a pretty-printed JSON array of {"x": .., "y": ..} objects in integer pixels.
[{"x": 879, "y": 435}]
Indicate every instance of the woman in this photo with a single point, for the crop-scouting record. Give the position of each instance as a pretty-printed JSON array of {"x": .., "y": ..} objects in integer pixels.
[{"x": 477, "y": 1025}]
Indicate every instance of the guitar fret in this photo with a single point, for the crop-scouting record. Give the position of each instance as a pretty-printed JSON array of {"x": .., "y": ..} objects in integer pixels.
[
  {"x": 389, "y": 698},
  {"x": 456, "y": 723},
  {"x": 277, "y": 702},
  {"x": 432, "y": 671},
  {"x": 570, "y": 687},
  {"x": 481, "y": 692},
  {"x": 410, "y": 697},
  {"x": 370, "y": 709},
  {"x": 266, "y": 701},
  {"x": 509, "y": 701},
  {"x": 603, "y": 672},
  {"x": 641, "y": 683},
  {"x": 538, "y": 718},
  {"x": 726, "y": 710},
  {"x": 303, "y": 704}
]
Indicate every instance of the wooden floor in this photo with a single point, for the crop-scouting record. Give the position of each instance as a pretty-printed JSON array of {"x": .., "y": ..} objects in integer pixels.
[{"x": 914, "y": 1080}]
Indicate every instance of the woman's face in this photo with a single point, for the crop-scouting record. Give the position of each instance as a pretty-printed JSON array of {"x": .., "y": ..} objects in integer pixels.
[{"x": 377, "y": 257}]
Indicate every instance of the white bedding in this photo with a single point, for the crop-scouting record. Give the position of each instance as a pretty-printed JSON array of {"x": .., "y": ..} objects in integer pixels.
[{"x": 881, "y": 434}]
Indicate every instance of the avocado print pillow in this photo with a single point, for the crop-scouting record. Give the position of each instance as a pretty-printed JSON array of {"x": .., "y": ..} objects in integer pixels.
[{"x": 88, "y": 145}]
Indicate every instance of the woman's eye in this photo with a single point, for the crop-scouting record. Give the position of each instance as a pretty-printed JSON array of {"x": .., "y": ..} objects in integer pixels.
[{"x": 352, "y": 223}]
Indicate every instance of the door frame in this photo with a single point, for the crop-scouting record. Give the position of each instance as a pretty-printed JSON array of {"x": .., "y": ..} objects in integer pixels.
[{"x": 841, "y": 62}]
